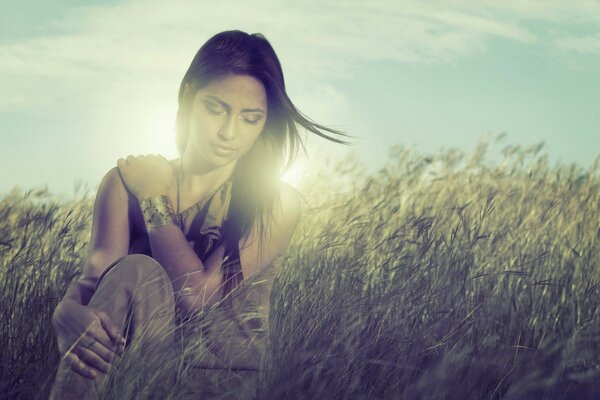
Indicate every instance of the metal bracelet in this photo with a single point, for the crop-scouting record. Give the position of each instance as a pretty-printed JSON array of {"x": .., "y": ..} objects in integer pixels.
[{"x": 157, "y": 211}]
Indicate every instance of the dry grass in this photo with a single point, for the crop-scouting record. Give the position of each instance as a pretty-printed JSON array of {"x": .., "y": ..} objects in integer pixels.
[{"x": 439, "y": 277}]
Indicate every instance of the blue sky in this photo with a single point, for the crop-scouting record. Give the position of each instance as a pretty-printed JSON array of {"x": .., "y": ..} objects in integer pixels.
[{"x": 85, "y": 85}]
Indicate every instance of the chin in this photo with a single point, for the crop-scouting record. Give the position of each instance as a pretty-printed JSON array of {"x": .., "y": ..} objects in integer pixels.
[
  {"x": 208, "y": 156},
  {"x": 221, "y": 161}
]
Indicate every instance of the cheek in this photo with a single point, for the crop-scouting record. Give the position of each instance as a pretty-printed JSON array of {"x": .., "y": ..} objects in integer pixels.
[
  {"x": 201, "y": 126},
  {"x": 251, "y": 137}
]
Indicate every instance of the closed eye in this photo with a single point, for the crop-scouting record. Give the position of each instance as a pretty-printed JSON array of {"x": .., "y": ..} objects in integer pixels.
[
  {"x": 213, "y": 110},
  {"x": 252, "y": 121}
]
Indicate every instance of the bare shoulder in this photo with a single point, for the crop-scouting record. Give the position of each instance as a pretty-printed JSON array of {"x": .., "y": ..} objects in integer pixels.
[
  {"x": 119, "y": 203},
  {"x": 110, "y": 225},
  {"x": 112, "y": 181},
  {"x": 113, "y": 190},
  {"x": 291, "y": 204},
  {"x": 286, "y": 216},
  {"x": 114, "y": 201}
]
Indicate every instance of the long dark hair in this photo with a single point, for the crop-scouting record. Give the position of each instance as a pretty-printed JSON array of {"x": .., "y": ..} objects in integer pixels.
[{"x": 256, "y": 176}]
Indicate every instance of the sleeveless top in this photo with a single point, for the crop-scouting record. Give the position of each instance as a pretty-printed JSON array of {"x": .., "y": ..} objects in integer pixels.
[{"x": 233, "y": 332}]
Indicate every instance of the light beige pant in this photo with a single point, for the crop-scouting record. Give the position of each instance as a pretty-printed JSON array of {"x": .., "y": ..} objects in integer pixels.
[{"x": 135, "y": 291}]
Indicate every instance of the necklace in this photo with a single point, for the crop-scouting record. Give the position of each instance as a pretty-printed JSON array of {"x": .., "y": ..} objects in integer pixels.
[{"x": 180, "y": 177}]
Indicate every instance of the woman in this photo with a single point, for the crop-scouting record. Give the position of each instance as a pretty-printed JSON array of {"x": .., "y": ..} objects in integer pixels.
[{"x": 202, "y": 223}]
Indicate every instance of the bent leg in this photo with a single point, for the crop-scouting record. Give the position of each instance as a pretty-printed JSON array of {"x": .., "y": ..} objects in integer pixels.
[{"x": 138, "y": 296}]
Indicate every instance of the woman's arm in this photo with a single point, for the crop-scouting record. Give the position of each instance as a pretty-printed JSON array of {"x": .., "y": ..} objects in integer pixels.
[
  {"x": 276, "y": 240},
  {"x": 148, "y": 176},
  {"x": 109, "y": 237},
  {"x": 195, "y": 283},
  {"x": 76, "y": 323},
  {"x": 202, "y": 282}
]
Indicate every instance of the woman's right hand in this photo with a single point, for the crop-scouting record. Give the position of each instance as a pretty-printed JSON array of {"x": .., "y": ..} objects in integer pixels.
[{"x": 86, "y": 337}]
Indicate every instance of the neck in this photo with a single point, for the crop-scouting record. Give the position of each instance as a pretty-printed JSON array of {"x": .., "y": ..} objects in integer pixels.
[{"x": 198, "y": 179}]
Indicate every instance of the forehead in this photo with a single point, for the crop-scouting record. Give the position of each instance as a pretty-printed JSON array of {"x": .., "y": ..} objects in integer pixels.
[{"x": 239, "y": 91}]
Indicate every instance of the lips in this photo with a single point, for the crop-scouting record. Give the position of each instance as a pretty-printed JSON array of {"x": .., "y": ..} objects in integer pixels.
[{"x": 224, "y": 148}]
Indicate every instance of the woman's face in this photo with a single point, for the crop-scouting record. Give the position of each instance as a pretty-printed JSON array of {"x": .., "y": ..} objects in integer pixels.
[{"x": 227, "y": 117}]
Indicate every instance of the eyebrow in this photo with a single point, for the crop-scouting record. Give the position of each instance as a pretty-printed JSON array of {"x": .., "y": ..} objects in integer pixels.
[{"x": 220, "y": 101}]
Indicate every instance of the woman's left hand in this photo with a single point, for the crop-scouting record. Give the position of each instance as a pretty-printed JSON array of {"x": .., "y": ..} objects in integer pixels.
[{"x": 146, "y": 175}]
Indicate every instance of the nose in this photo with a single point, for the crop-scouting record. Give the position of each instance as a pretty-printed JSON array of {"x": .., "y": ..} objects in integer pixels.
[{"x": 227, "y": 131}]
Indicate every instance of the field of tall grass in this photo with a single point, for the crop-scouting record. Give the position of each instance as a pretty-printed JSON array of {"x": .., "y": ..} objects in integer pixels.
[{"x": 441, "y": 276}]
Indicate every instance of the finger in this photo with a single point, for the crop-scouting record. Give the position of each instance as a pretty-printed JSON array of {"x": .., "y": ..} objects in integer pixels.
[
  {"x": 121, "y": 162},
  {"x": 106, "y": 343},
  {"x": 110, "y": 327},
  {"x": 78, "y": 366},
  {"x": 107, "y": 354},
  {"x": 99, "y": 334},
  {"x": 130, "y": 158},
  {"x": 92, "y": 359}
]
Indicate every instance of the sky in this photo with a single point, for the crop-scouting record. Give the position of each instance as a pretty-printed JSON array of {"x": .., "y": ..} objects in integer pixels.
[{"x": 86, "y": 83}]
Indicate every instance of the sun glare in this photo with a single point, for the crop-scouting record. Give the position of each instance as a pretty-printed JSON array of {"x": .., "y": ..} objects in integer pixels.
[
  {"x": 159, "y": 131},
  {"x": 295, "y": 173},
  {"x": 161, "y": 134}
]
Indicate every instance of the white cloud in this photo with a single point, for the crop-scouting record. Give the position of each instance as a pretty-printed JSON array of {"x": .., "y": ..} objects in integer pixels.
[
  {"x": 111, "y": 51},
  {"x": 118, "y": 67},
  {"x": 589, "y": 44}
]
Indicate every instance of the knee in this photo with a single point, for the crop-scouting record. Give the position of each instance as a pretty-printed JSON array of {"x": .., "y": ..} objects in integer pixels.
[
  {"x": 136, "y": 267},
  {"x": 140, "y": 260}
]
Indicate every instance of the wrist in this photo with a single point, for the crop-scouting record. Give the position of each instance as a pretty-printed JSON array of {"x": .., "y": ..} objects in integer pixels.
[
  {"x": 61, "y": 308},
  {"x": 69, "y": 300},
  {"x": 157, "y": 211}
]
